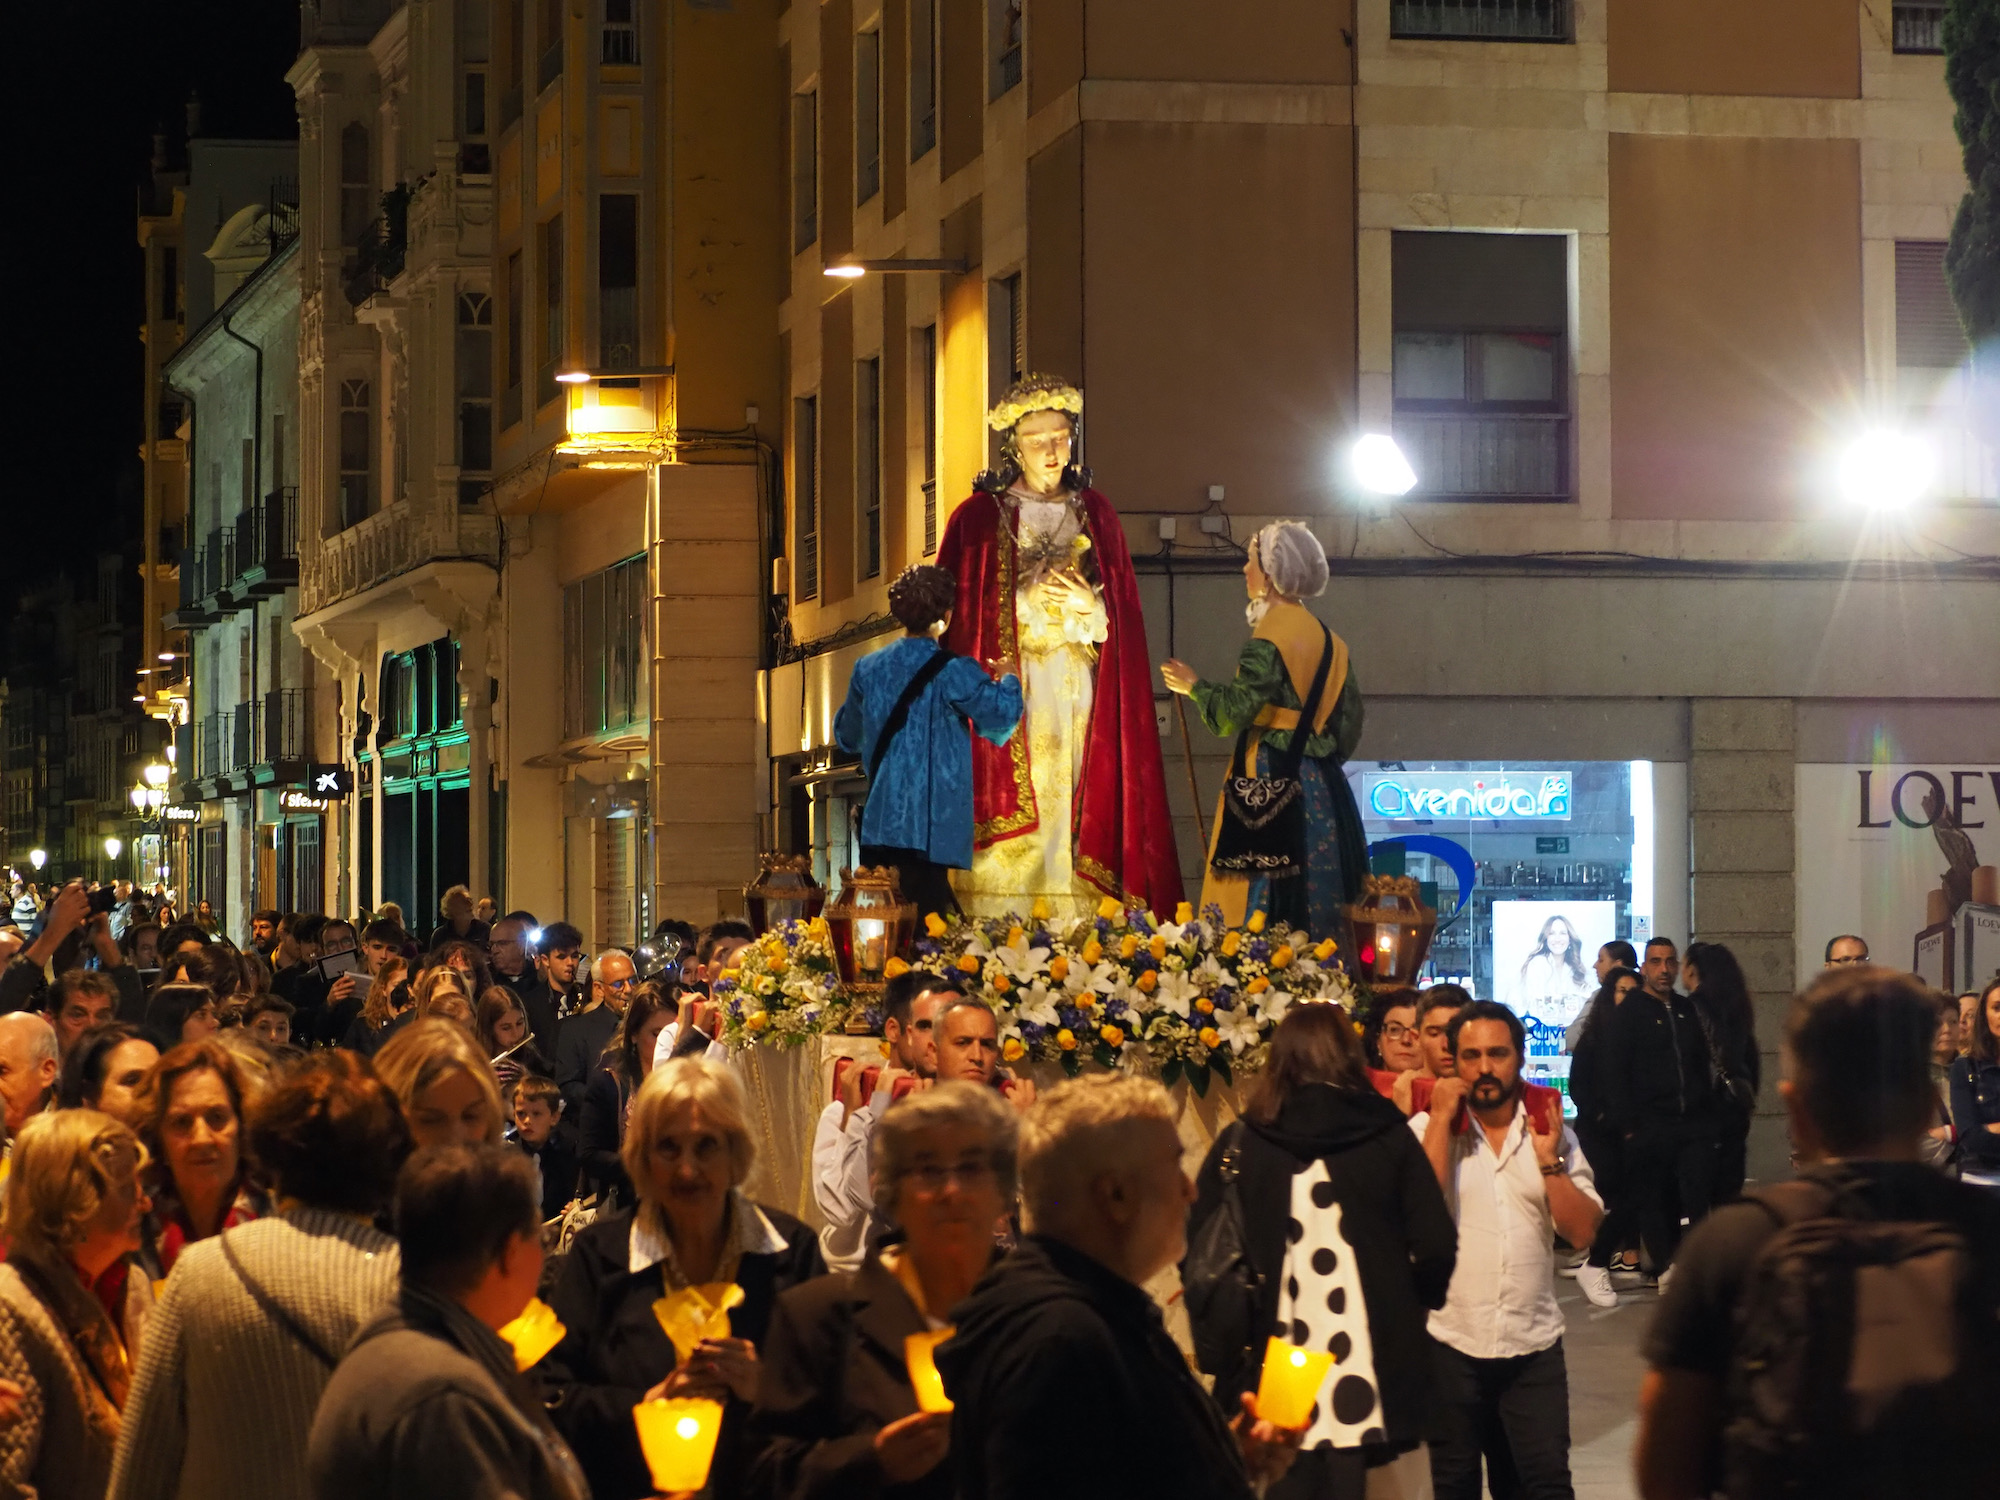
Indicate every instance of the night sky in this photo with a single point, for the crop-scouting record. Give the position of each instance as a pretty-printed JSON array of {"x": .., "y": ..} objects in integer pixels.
[{"x": 90, "y": 87}]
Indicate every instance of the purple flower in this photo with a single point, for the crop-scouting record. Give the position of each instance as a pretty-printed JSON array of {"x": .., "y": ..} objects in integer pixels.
[
  {"x": 1033, "y": 1031},
  {"x": 1041, "y": 939},
  {"x": 1225, "y": 999},
  {"x": 1257, "y": 950}
]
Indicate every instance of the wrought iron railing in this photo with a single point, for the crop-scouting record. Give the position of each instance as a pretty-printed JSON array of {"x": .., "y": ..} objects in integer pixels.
[
  {"x": 1919, "y": 26},
  {"x": 208, "y": 745},
  {"x": 242, "y": 737},
  {"x": 1517, "y": 456},
  {"x": 1481, "y": 20},
  {"x": 267, "y": 536},
  {"x": 282, "y": 734},
  {"x": 551, "y": 65}
]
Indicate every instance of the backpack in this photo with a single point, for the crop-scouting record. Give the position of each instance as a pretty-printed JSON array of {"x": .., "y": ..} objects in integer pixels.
[
  {"x": 1867, "y": 1356},
  {"x": 1220, "y": 1285}
]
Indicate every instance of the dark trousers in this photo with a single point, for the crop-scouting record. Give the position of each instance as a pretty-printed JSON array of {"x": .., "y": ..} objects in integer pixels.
[
  {"x": 921, "y": 880},
  {"x": 1670, "y": 1174},
  {"x": 1732, "y": 1159},
  {"x": 1514, "y": 1414},
  {"x": 1605, "y": 1151}
]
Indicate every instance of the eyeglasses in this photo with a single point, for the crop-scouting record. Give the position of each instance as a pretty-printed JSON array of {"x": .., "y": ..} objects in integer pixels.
[
  {"x": 620, "y": 984},
  {"x": 932, "y": 1176},
  {"x": 1396, "y": 1031}
]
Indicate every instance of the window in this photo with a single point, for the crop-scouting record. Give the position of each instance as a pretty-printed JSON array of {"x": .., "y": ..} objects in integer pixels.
[
  {"x": 517, "y": 45},
  {"x": 604, "y": 662},
  {"x": 868, "y": 465},
  {"x": 618, "y": 281},
  {"x": 805, "y": 497},
  {"x": 1480, "y": 376},
  {"x": 1006, "y": 342},
  {"x": 867, "y": 115},
  {"x": 357, "y": 193},
  {"x": 621, "y": 33},
  {"x": 1919, "y": 25},
  {"x": 170, "y": 284},
  {"x": 1928, "y": 333},
  {"x": 474, "y": 156},
  {"x": 927, "y": 385},
  {"x": 552, "y": 311},
  {"x": 805, "y": 170},
  {"x": 1003, "y": 45},
  {"x": 510, "y": 397},
  {"x": 1481, "y": 20},
  {"x": 357, "y": 453},
  {"x": 475, "y": 387},
  {"x": 1932, "y": 373},
  {"x": 923, "y": 77},
  {"x": 552, "y": 44}
]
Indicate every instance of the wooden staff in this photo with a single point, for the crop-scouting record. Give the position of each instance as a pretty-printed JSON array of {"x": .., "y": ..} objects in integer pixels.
[{"x": 1194, "y": 787}]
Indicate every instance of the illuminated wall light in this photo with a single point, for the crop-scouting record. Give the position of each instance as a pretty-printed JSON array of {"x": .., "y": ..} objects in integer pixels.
[
  {"x": 1886, "y": 469},
  {"x": 1380, "y": 467}
]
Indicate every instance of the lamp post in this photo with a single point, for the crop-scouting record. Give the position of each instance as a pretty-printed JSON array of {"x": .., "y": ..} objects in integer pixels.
[{"x": 38, "y": 858}]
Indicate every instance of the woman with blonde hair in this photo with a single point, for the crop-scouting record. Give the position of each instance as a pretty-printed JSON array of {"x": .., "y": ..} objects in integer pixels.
[
  {"x": 687, "y": 1150},
  {"x": 444, "y": 1084},
  {"x": 74, "y": 1200}
]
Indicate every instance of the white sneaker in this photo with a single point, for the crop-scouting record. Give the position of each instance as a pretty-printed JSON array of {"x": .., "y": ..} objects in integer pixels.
[{"x": 1595, "y": 1282}]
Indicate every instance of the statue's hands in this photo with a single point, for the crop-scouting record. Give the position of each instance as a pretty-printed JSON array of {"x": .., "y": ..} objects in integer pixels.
[
  {"x": 1178, "y": 676},
  {"x": 1072, "y": 591}
]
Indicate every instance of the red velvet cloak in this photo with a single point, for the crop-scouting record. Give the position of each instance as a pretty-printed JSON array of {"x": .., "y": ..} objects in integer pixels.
[{"x": 1122, "y": 840}]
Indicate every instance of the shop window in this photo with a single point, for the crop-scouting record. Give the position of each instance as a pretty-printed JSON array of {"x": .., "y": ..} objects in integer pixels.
[
  {"x": 1481, "y": 375},
  {"x": 604, "y": 660},
  {"x": 923, "y": 77},
  {"x": 805, "y": 170},
  {"x": 868, "y": 466},
  {"x": 618, "y": 281},
  {"x": 867, "y": 115}
]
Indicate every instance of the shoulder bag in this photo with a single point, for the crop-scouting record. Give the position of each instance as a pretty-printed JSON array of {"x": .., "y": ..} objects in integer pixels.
[
  {"x": 1263, "y": 824},
  {"x": 275, "y": 1310},
  {"x": 899, "y": 715},
  {"x": 1220, "y": 1284}
]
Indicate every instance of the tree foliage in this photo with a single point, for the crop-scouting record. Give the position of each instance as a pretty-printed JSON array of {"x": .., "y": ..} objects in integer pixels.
[{"x": 1972, "y": 73}]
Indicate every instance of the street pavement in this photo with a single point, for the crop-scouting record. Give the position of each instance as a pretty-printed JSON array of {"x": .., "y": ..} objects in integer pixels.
[{"x": 1601, "y": 1348}]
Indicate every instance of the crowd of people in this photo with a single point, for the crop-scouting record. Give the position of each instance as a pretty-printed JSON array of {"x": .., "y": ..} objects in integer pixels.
[{"x": 268, "y": 1208}]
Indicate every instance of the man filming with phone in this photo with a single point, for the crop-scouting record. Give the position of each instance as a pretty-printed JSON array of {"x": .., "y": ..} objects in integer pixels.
[{"x": 25, "y": 985}]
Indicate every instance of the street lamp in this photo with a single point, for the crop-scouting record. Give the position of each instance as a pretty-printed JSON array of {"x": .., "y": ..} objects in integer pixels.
[
  {"x": 1380, "y": 467},
  {"x": 157, "y": 774},
  {"x": 38, "y": 857},
  {"x": 1886, "y": 469},
  {"x": 113, "y": 847}
]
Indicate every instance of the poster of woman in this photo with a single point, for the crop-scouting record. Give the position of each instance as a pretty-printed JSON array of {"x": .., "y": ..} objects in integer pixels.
[{"x": 1542, "y": 957}]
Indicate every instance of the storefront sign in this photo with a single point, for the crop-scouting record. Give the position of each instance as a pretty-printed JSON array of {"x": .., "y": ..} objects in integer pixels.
[
  {"x": 297, "y": 801},
  {"x": 173, "y": 812},
  {"x": 329, "y": 780},
  {"x": 1885, "y": 851},
  {"x": 1469, "y": 796}
]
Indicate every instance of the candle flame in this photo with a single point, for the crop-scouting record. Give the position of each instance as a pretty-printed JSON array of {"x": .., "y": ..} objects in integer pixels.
[{"x": 686, "y": 1427}]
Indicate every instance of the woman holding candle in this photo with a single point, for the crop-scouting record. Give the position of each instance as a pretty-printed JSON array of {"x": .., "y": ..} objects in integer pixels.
[
  {"x": 837, "y": 1413},
  {"x": 1345, "y": 1223},
  {"x": 695, "y": 1256}
]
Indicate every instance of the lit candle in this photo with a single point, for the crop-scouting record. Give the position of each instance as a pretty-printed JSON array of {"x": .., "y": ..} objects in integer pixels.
[
  {"x": 678, "y": 1438},
  {"x": 533, "y": 1334},
  {"x": 919, "y": 1350},
  {"x": 1291, "y": 1383}
]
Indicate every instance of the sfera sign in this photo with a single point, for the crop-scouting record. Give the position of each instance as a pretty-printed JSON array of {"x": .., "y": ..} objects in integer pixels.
[
  {"x": 1467, "y": 796},
  {"x": 297, "y": 801},
  {"x": 175, "y": 812}
]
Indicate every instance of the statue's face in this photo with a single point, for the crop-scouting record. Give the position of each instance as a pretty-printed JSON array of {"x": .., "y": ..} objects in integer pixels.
[{"x": 1042, "y": 444}]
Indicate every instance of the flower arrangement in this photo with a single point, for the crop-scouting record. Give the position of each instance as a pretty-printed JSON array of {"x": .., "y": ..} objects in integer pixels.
[{"x": 1193, "y": 998}]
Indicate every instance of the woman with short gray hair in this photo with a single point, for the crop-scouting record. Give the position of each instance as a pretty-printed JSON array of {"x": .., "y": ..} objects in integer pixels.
[{"x": 836, "y": 1413}]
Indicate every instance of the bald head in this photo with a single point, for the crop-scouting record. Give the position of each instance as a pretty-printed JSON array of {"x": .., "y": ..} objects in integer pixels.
[{"x": 29, "y": 1062}]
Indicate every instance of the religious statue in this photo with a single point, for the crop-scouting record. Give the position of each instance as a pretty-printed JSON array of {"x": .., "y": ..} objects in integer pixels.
[{"x": 1073, "y": 808}]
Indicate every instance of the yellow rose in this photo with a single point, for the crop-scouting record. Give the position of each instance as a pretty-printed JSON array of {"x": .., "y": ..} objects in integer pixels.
[
  {"x": 1013, "y": 1049},
  {"x": 1112, "y": 1035},
  {"x": 755, "y": 1021},
  {"x": 1014, "y": 936},
  {"x": 1325, "y": 950},
  {"x": 894, "y": 967},
  {"x": 1205, "y": 1006},
  {"x": 1158, "y": 947},
  {"x": 1282, "y": 957},
  {"x": 1110, "y": 909},
  {"x": 1058, "y": 968},
  {"x": 1258, "y": 985},
  {"x": 1093, "y": 951},
  {"x": 1066, "y": 1039},
  {"x": 1210, "y": 1037},
  {"x": 1148, "y": 982},
  {"x": 967, "y": 964},
  {"x": 934, "y": 925},
  {"x": 1128, "y": 945},
  {"x": 1256, "y": 922},
  {"x": 1040, "y": 910},
  {"x": 1184, "y": 914},
  {"x": 1231, "y": 941}
]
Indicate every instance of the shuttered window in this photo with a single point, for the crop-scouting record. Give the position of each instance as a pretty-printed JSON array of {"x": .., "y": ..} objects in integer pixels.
[{"x": 1928, "y": 336}]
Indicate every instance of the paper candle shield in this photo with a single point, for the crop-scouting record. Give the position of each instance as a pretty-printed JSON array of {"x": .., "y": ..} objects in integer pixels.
[
  {"x": 919, "y": 1350},
  {"x": 1290, "y": 1383},
  {"x": 533, "y": 1334},
  {"x": 695, "y": 1313},
  {"x": 678, "y": 1439}
]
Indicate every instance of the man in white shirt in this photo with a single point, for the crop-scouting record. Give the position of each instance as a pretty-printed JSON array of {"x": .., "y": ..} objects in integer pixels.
[
  {"x": 910, "y": 1003},
  {"x": 1512, "y": 1182}
]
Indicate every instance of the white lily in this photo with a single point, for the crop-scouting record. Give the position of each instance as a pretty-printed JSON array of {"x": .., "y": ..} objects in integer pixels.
[
  {"x": 1021, "y": 962},
  {"x": 1177, "y": 993},
  {"x": 1238, "y": 1028},
  {"x": 1038, "y": 1005},
  {"x": 1272, "y": 1005}
]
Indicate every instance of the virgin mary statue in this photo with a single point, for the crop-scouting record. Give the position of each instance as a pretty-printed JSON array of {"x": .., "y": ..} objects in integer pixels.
[{"x": 1073, "y": 808}]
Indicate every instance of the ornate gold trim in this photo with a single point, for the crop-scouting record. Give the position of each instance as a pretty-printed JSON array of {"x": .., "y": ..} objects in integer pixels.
[{"x": 1026, "y": 816}]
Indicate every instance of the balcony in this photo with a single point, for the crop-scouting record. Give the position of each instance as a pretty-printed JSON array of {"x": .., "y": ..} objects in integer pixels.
[
  {"x": 266, "y": 552},
  {"x": 385, "y": 243},
  {"x": 1517, "y": 456},
  {"x": 390, "y": 543},
  {"x": 242, "y": 748},
  {"x": 1480, "y": 20},
  {"x": 281, "y": 730},
  {"x": 1919, "y": 26},
  {"x": 551, "y": 65}
]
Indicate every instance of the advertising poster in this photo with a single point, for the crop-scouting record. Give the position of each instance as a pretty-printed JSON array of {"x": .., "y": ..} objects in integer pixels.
[
  {"x": 1543, "y": 952},
  {"x": 1901, "y": 855}
]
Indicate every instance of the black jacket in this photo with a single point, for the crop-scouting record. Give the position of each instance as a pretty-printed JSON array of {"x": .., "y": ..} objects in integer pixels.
[
  {"x": 1587, "y": 1086},
  {"x": 1736, "y": 1050},
  {"x": 601, "y": 1132},
  {"x": 539, "y": 1002},
  {"x": 1392, "y": 1212},
  {"x": 615, "y": 1351},
  {"x": 556, "y": 1159},
  {"x": 1975, "y": 1104},
  {"x": 833, "y": 1375},
  {"x": 1067, "y": 1387},
  {"x": 580, "y": 1043},
  {"x": 1655, "y": 1065}
]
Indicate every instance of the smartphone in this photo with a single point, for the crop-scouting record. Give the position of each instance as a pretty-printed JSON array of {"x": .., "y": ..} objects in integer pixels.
[{"x": 102, "y": 901}]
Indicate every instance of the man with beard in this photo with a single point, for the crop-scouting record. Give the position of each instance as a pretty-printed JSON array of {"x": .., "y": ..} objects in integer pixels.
[
  {"x": 1512, "y": 1183},
  {"x": 515, "y": 967}
]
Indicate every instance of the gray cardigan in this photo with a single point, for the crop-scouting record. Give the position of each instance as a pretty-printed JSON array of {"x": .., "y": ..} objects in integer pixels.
[
  {"x": 60, "y": 1444},
  {"x": 224, "y": 1396}
]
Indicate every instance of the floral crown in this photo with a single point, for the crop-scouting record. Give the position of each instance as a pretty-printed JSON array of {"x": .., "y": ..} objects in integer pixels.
[{"x": 1033, "y": 394}]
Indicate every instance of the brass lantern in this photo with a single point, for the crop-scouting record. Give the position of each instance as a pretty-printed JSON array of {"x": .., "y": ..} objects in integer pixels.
[
  {"x": 870, "y": 923},
  {"x": 1392, "y": 930},
  {"x": 784, "y": 891}
]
